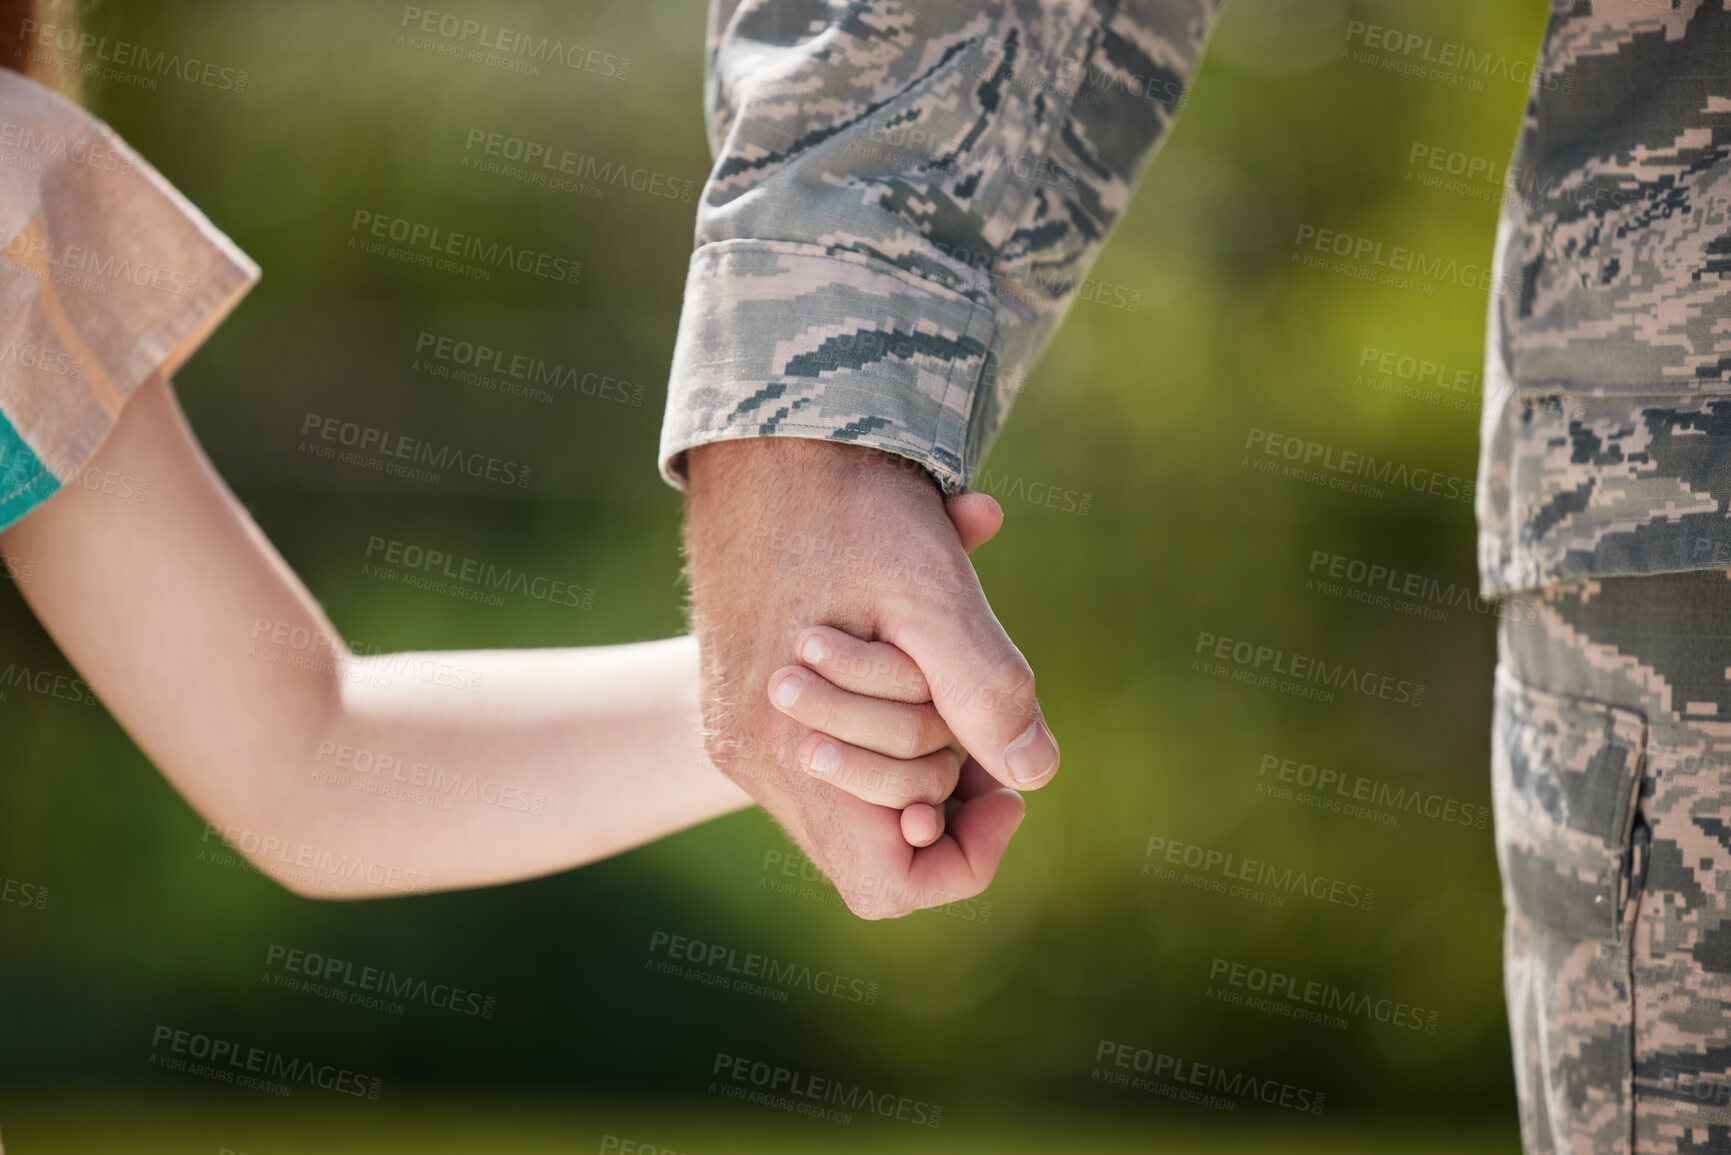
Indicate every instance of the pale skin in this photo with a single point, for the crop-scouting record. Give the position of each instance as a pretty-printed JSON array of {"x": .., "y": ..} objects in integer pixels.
[
  {"x": 783, "y": 532},
  {"x": 223, "y": 668}
]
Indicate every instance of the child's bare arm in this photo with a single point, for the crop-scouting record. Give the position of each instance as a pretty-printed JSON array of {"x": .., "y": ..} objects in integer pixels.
[
  {"x": 431, "y": 770},
  {"x": 341, "y": 775}
]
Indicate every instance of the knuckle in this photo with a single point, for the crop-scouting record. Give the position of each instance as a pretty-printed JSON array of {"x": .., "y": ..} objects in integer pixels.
[
  {"x": 1007, "y": 688},
  {"x": 904, "y": 740},
  {"x": 948, "y": 772},
  {"x": 869, "y": 780},
  {"x": 934, "y": 731},
  {"x": 852, "y": 775},
  {"x": 902, "y": 789},
  {"x": 925, "y": 785},
  {"x": 818, "y": 709}
]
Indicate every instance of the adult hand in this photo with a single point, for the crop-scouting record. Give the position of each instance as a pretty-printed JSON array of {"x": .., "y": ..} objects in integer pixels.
[{"x": 786, "y": 533}]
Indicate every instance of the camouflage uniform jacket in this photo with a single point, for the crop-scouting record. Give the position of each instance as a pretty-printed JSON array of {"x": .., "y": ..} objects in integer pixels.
[
  {"x": 1607, "y": 419},
  {"x": 906, "y": 197},
  {"x": 905, "y": 200}
]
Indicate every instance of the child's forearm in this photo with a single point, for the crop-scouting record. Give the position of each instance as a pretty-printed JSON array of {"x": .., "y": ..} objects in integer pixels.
[
  {"x": 343, "y": 775},
  {"x": 486, "y": 766}
]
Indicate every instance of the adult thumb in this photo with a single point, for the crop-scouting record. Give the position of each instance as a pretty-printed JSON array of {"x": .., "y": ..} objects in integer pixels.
[{"x": 983, "y": 688}]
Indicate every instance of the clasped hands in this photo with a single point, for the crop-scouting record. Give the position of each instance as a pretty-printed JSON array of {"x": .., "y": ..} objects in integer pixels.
[{"x": 855, "y": 681}]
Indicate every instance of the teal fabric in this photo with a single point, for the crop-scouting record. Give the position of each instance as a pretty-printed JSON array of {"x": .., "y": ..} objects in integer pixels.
[{"x": 25, "y": 482}]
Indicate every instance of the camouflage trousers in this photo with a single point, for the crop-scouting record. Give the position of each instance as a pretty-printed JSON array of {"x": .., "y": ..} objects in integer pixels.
[{"x": 1611, "y": 768}]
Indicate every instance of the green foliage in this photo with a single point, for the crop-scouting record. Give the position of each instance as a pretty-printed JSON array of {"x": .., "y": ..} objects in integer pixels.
[{"x": 1148, "y": 412}]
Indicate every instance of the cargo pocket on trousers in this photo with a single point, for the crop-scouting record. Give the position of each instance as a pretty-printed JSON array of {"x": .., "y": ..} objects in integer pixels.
[
  {"x": 1564, "y": 777},
  {"x": 1564, "y": 773}
]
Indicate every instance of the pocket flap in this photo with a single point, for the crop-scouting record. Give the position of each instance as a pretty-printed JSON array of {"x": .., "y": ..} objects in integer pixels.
[{"x": 1564, "y": 772}]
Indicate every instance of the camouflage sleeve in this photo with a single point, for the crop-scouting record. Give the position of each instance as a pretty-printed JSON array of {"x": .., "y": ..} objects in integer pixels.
[{"x": 904, "y": 200}]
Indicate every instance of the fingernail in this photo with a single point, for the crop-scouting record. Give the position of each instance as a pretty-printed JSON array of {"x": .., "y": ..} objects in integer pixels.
[
  {"x": 787, "y": 693},
  {"x": 1033, "y": 755},
  {"x": 824, "y": 758},
  {"x": 811, "y": 653}
]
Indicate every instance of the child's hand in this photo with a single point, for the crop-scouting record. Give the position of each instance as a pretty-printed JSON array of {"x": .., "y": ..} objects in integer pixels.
[{"x": 875, "y": 732}]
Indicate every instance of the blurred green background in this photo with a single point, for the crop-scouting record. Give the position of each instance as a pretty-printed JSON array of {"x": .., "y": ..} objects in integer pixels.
[{"x": 1146, "y": 411}]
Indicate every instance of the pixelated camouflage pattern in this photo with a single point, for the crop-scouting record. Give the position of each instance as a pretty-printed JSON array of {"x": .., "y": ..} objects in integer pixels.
[
  {"x": 1619, "y": 1018},
  {"x": 1573, "y": 486},
  {"x": 855, "y": 282},
  {"x": 1619, "y": 247},
  {"x": 1563, "y": 781},
  {"x": 904, "y": 201}
]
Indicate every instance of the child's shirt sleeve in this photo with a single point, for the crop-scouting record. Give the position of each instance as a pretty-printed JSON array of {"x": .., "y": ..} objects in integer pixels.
[{"x": 108, "y": 277}]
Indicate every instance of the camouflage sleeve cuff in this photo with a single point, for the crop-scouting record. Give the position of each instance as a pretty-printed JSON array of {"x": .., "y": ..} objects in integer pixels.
[
  {"x": 784, "y": 339},
  {"x": 905, "y": 200}
]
